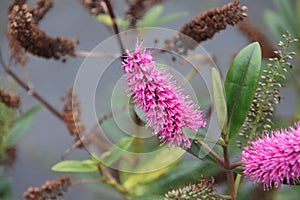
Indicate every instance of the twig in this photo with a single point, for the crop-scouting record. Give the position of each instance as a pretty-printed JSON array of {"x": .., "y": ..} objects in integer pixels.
[
  {"x": 235, "y": 165},
  {"x": 115, "y": 26},
  {"x": 84, "y": 181},
  {"x": 96, "y": 54},
  {"x": 28, "y": 89},
  {"x": 100, "y": 121},
  {"x": 211, "y": 152}
]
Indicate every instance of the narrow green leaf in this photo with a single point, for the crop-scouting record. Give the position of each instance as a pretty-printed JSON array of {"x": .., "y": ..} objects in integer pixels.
[
  {"x": 240, "y": 85},
  {"x": 114, "y": 153},
  {"x": 297, "y": 7},
  {"x": 275, "y": 24},
  {"x": 169, "y": 17},
  {"x": 148, "y": 197},
  {"x": 161, "y": 161},
  {"x": 22, "y": 125},
  {"x": 75, "y": 166},
  {"x": 106, "y": 19},
  {"x": 219, "y": 98},
  {"x": 287, "y": 13},
  {"x": 151, "y": 16}
]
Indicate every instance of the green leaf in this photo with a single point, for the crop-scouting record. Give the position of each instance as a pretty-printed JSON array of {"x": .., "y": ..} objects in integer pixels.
[
  {"x": 167, "y": 18},
  {"x": 240, "y": 85},
  {"x": 148, "y": 197},
  {"x": 114, "y": 153},
  {"x": 22, "y": 125},
  {"x": 275, "y": 24},
  {"x": 161, "y": 161},
  {"x": 151, "y": 16},
  {"x": 75, "y": 166},
  {"x": 287, "y": 13},
  {"x": 196, "y": 151},
  {"x": 106, "y": 19},
  {"x": 219, "y": 98},
  {"x": 298, "y": 16},
  {"x": 182, "y": 174}
]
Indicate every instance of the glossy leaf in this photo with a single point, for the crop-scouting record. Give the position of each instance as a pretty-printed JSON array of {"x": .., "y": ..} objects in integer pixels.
[
  {"x": 219, "y": 98},
  {"x": 75, "y": 166},
  {"x": 181, "y": 174},
  {"x": 161, "y": 161},
  {"x": 22, "y": 125},
  {"x": 240, "y": 85},
  {"x": 114, "y": 153}
]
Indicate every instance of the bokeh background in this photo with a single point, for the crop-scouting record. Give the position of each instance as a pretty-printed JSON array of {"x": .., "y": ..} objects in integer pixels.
[{"x": 48, "y": 137}]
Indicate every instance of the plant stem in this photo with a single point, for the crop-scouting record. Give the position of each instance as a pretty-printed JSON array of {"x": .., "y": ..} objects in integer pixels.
[
  {"x": 211, "y": 152},
  {"x": 229, "y": 174},
  {"x": 115, "y": 26},
  {"x": 107, "y": 178},
  {"x": 28, "y": 89}
]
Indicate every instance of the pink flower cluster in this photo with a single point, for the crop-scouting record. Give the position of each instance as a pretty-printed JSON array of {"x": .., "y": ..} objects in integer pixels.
[
  {"x": 165, "y": 108},
  {"x": 275, "y": 158}
]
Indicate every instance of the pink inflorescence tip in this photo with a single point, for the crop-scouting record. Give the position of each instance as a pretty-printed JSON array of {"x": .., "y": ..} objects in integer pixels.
[
  {"x": 165, "y": 108},
  {"x": 275, "y": 158}
]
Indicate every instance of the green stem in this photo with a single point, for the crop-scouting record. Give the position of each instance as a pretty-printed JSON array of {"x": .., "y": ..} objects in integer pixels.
[
  {"x": 229, "y": 174},
  {"x": 211, "y": 152}
]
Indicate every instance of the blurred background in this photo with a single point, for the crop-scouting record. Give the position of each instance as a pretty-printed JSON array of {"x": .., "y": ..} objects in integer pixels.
[{"x": 48, "y": 137}]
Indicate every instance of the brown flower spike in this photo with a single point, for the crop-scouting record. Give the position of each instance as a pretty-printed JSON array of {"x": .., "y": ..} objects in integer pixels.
[
  {"x": 205, "y": 26},
  {"x": 72, "y": 114},
  {"x": 95, "y": 7},
  {"x": 50, "y": 190},
  {"x": 9, "y": 99},
  {"x": 23, "y": 29}
]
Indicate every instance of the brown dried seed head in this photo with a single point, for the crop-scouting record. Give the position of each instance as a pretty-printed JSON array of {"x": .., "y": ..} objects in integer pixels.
[
  {"x": 206, "y": 25},
  {"x": 72, "y": 114},
  {"x": 95, "y": 7},
  {"x": 25, "y": 31},
  {"x": 9, "y": 99},
  {"x": 50, "y": 190}
]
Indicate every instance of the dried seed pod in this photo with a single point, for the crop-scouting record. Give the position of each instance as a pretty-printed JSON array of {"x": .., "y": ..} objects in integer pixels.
[
  {"x": 9, "y": 99},
  {"x": 255, "y": 34},
  {"x": 95, "y": 7},
  {"x": 23, "y": 29},
  {"x": 41, "y": 9},
  {"x": 205, "y": 26},
  {"x": 72, "y": 114},
  {"x": 50, "y": 190}
]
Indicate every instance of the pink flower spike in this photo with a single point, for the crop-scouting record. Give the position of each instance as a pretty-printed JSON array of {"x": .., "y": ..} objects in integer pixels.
[
  {"x": 165, "y": 108},
  {"x": 275, "y": 158}
]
